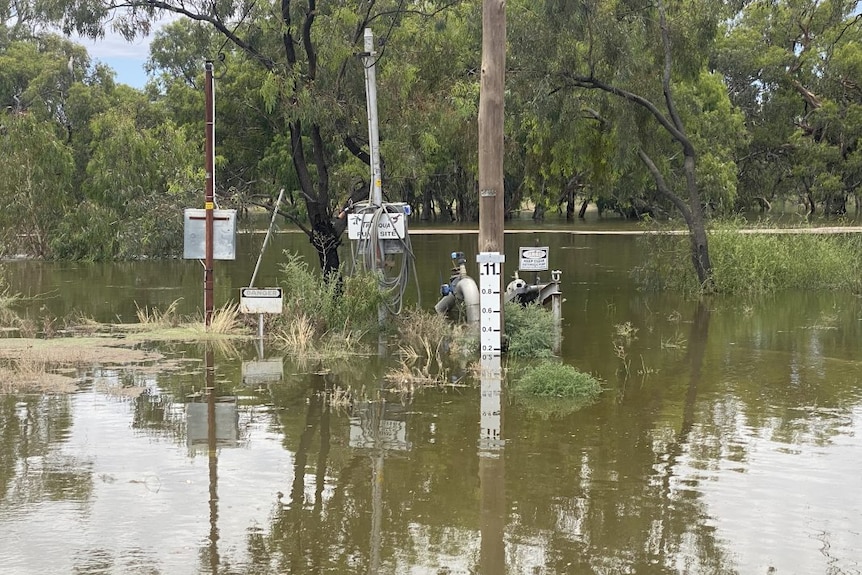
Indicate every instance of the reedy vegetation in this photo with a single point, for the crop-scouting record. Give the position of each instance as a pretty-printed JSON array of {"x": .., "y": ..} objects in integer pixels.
[{"x": 753, "y": 261}]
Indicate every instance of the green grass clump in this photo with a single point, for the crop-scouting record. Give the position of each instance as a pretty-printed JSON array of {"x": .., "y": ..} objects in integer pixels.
[
  {"x": 755, "y": 262},
  {"x": 553, "y": 379},
  {"x": 553, "y": 389},
  {"x": 529, "y": 329}
]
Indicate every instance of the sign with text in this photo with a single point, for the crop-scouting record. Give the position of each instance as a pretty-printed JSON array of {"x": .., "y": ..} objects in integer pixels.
[
  {"x": 533, "y": 259},
  {"x": 390, "y": 226},
  {"x": 260, "y": 300}
]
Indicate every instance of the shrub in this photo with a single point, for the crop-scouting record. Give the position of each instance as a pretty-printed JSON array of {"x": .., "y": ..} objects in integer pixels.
[
  {"x": 529, "y": 329},
  {"x": 347, "y": 305},
  {"x": 551, "y": 378}
]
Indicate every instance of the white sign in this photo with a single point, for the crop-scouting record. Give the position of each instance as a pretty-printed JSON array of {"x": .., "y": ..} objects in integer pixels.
[
  {"x": 194, "y": 234},
  {"x": 260, "y": 300},
  {"x": 534, "y": 259},
  {"x": 390, "y": 226},
  {"x": 490, "y": 300}
]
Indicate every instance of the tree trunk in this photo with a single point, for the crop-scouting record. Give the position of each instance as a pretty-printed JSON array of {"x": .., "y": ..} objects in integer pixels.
[{"x": 583, "y": 211}]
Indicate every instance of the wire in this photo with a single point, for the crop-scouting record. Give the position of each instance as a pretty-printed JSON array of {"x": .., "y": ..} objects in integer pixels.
[
  {"x": 382, "y": 42},
  {"x": 370, "y": 253}
]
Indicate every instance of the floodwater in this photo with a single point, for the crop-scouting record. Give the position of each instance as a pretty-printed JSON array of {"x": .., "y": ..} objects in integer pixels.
[{"x": 728, "y": 440}]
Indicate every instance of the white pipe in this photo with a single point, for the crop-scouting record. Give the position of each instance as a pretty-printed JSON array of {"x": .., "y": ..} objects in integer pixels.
[{"x": 467, "y": 291}]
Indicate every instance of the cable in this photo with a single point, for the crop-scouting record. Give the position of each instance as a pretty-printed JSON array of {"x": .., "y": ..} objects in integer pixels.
[{"x": 370, "y": 252}]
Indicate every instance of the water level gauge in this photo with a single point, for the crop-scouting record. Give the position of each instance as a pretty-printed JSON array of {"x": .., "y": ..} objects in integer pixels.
[{"x": 491, "y": 301}]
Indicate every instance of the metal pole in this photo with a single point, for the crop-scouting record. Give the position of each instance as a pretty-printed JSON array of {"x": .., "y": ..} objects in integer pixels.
[
  {"x": 266, "y": 238},
  {"x": 370, "y": 62},
  {"x": 209, "y": 197},
  {"x": 376, "y": 196}
]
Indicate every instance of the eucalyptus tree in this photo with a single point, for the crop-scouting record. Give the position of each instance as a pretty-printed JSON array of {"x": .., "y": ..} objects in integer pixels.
[
  {"x": 794, "y": 68},
  {"x": 310, "y": 77},
  {"x": 653, "y": 59},
  {"x": 141, "y": 167},
  {"x": 428, "y": 94},
  {"x": 37, "y": 168}
]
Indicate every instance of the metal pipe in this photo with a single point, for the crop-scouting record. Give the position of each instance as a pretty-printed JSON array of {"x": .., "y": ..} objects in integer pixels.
[
  {"x": 370, "y": 63},
  {"x": 209, "y": 192},
  {"x": 467, "y": 291}
]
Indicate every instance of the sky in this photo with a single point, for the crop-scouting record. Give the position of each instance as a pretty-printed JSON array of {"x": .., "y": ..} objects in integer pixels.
[{"x": 125, "y": 58}]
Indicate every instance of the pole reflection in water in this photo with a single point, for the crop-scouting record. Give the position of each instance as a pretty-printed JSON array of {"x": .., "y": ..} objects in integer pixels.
[
  {"x": 212, "y": 424},
  {"x": 212, "y": 450},
  {"x": 378, "y": 427},
  {"x": 492, "y": 469}
]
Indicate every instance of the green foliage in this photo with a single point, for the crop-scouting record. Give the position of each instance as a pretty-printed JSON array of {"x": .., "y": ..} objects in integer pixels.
[
  {"x": 552, "y": 388},
  {"x": 36, "y": 171},
  {"x": 551, "y": 378},
  {"x": 529, "y": 330},
  {"x": 756, "y": 263},
  {"x": 347, "y": 306}
]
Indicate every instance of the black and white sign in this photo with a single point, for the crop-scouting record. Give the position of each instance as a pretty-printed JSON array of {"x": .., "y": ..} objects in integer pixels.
[
  {"x": 260, "y": 300},
  {"x": 390, "y": 226},
  {"x": 534, "y": 259}
]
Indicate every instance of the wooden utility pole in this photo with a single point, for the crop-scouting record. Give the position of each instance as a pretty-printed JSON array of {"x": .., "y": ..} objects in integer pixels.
[
  {"x": 209, "y": 193},
  {"x": 491, "y": 256},
  {"x": 491, "y": 207}
]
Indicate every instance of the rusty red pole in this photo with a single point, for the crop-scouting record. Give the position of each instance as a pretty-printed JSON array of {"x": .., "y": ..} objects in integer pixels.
[{"x": 209, "y": 193}]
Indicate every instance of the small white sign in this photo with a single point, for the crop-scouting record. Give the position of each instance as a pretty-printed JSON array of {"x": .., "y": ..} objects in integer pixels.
[
  {"x": 390, "y": 226},
  {"x": 534, "y": 259},
  {"x": 260, "y": 300}
]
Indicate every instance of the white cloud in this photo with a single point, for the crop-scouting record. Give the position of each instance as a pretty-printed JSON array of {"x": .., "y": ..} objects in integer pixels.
[{"x": 124, "y": 57}]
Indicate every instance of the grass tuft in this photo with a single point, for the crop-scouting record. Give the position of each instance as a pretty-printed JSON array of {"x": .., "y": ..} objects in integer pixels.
[
  {"x": 550, "y": 388},
  {"x": 153, "y": 317}
]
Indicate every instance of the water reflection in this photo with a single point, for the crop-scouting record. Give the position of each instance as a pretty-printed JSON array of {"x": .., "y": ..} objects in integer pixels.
[
  {"x": 732, "y": 447},
  {"x": 377, "y": 428},
  {"x": 492, "y": 468}
]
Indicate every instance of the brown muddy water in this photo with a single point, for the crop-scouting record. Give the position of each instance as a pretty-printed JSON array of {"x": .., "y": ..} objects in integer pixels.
[{"x": 728, "y": 440}]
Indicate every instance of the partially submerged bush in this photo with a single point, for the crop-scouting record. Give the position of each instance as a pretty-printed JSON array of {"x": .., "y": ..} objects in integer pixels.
[
  {"x": 529, "y": 329},
  {"x": 346, "y": 303},
  {"x": 755, "y": 261},
  {"x": 320, "y": 317},
  {"x": 551, "y": 388},
  {"x": 551, "y": 378}
]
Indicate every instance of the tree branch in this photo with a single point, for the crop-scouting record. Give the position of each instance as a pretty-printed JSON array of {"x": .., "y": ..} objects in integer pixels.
[{"x": 212, "y": 20}]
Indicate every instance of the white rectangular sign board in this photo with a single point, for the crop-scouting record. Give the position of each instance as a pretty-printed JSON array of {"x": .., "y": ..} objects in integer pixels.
[
  {"x": 533, "y": 259},
  {"x": 194, "y": 234},
  {"x": 390, "y": 226},
  {"x": 260, "y": 300}
]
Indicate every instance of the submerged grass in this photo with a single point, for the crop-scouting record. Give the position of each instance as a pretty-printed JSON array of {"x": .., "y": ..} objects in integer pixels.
[
  {"x": 325, "y": 318},
  {"x": 755, "y": 261},
  {"x": 552, "y": 388}
]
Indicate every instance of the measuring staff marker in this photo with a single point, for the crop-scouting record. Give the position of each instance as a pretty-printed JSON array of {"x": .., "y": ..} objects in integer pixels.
[{"x": 490, "y": 300}]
